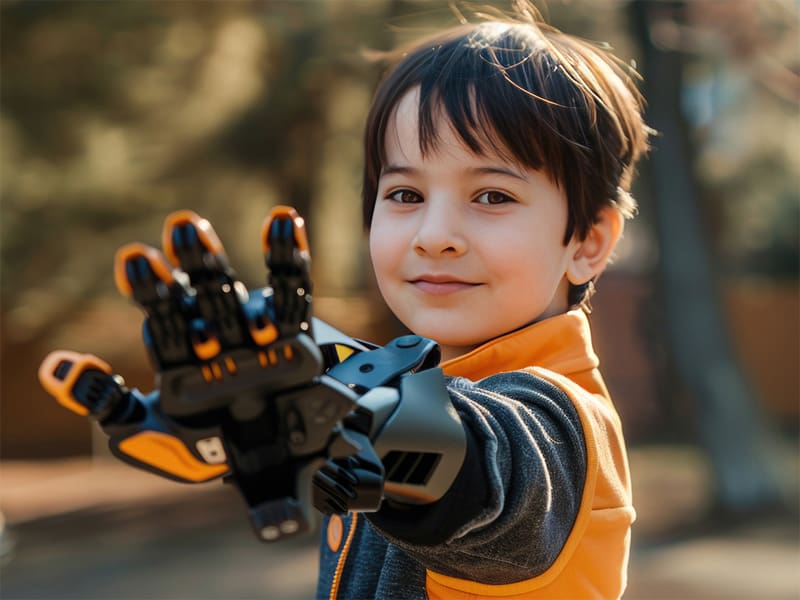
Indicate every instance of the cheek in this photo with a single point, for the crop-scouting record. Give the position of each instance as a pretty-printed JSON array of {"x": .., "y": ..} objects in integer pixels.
[
  {"x": 531, "y": 262},
  {"x": 382, "y": 250}
]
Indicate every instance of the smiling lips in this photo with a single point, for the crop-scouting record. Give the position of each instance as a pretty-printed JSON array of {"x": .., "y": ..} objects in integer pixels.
[{"x": 440, "y": 285}]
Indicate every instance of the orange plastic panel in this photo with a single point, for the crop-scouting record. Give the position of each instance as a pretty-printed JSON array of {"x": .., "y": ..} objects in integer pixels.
[{"x": 168, "y": 453}]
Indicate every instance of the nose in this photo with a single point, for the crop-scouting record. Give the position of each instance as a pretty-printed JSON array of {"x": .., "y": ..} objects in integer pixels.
[{"x": 439, "y": 232}]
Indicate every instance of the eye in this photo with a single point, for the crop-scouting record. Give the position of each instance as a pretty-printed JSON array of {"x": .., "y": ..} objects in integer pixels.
[
  {"x": 404, "y": 197},
  {"x": 494, "y": 197}
]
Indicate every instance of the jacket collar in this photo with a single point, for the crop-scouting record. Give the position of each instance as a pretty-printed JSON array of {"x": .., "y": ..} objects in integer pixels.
[{"x": 562, "y": 344}]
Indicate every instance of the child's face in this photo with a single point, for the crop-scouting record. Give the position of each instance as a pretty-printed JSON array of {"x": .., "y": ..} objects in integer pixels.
[{"x": 465, "y": 247}]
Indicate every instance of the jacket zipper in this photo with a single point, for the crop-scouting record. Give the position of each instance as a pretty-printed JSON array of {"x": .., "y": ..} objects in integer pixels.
[{"x": 337, "y": 575}]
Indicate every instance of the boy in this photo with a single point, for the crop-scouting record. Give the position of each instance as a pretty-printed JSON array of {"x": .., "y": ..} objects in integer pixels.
[
  {"x": 499, "y": 157},
  {"x": 498, "y": 162}
]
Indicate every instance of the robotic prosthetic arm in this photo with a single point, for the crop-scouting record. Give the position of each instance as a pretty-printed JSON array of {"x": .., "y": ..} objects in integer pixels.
[{"x": 251, "y": 388}]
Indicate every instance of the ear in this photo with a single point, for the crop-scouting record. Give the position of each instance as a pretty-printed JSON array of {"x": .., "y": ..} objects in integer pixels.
[{"x": 591, "y": 255}]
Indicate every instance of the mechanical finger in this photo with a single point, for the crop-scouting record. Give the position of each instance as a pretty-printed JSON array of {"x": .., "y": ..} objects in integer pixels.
[
  {"x": 286, "y": 254},
  {"x": 144, "y": 274},
  {"x": 141, "y": 272},
  {"x": 190, "y": 242},
  {"x": 84, "y": 384},
  {"x": 138, "y": 433},
  {"x": 213, "y": 305}
]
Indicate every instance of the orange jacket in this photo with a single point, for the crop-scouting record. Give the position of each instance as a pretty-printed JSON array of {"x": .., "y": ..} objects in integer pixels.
[
  {"x": 542, "y": 508},
  {"x": 594, "y": 560}
]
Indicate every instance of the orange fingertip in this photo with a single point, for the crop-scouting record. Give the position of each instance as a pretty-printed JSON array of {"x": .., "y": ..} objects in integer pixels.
[
  {"x": 60, "y": 371},
  {"x": 282, "y": 211},
  {"x": 204, "y": 229},
  {"x": 155, "y": 259}
]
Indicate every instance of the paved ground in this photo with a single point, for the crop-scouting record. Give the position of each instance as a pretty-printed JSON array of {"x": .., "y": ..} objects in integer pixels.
[{"x": 79, "y": 530}]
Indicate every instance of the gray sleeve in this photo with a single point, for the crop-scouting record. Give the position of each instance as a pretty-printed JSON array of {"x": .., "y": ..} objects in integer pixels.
[{"x": 512, "y": 506}]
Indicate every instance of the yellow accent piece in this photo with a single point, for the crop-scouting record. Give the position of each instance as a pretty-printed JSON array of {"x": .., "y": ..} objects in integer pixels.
[
  {"x": 207, "y": 375},
  {"x": 230, "y": 364},
  {"x": 61, "y": 388},
  {"x": 287, "y": 352},
  {"x": 273, "y": 357},
  {"x": 168, "y": 454},
  {"x": 343, "y": 352},
  {"x": 262, "y": 360}
]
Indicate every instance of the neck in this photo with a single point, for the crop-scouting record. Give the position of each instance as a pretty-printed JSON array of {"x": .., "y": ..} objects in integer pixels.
[{"x": 451, "y": 352}]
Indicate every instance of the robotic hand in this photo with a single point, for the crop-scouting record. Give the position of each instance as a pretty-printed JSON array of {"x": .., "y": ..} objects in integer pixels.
[{"x": 252, "y": 388}]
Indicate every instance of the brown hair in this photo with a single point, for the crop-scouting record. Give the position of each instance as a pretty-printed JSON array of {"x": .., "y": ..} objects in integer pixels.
[{"x": 528, "y": 92}]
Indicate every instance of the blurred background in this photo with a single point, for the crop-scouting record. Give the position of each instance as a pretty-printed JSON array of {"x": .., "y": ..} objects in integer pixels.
[{"x": 114, "y": 114}]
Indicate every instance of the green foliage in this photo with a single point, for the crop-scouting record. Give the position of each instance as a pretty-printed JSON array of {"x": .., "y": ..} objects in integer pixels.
[{"x": 113, "y": 114}]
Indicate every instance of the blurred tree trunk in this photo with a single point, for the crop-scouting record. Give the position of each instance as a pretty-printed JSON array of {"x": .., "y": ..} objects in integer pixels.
[{"x": 727, "y": 412}]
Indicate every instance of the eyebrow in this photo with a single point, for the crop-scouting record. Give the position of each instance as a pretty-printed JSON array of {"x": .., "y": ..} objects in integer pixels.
[
  {"x": 406, "y": 170},
  {"x": 498, "y": 171},
  {"x": 397, "y": 169}
]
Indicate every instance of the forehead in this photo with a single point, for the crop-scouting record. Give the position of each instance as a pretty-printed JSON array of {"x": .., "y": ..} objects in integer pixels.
[
  {"x": 406, "y": 111},
  {"x": 405, "y": 136}
]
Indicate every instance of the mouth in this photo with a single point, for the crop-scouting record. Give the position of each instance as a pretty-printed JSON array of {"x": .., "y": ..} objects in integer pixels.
[{"x": 439, "y": 285}]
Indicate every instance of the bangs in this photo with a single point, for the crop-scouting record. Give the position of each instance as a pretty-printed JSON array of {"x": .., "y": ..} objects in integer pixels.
[{"x": 503, "y": 93}]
